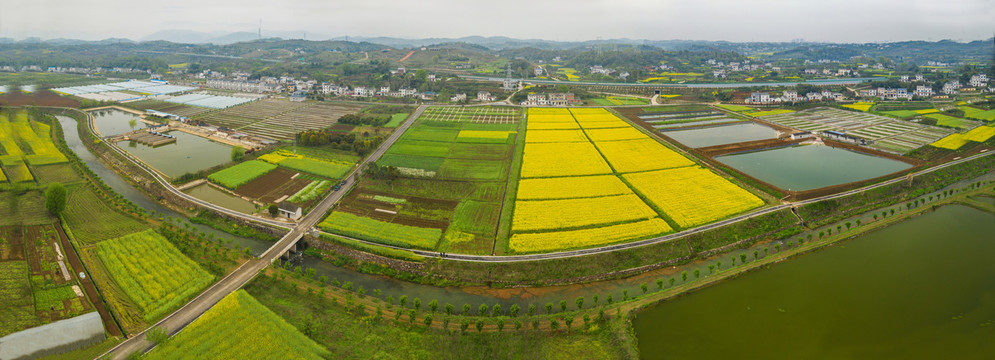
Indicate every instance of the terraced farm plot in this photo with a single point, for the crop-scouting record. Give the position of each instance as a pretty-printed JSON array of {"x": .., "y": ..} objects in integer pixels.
[
  {"x": 278, "y": 119},
  {"x": 239, "y": 327},
  {"x": 26, "y": 209},
  {"x": 692, "y": 195},
  {"x": 585, "y": 238},
  {"x": 92, "y": 221},
  {"x": 379, "y": 231},
  {"x": 578, "y": 213},
  {"x": 475, "y": 114},
  {"x": 956, "y": 141},
  {"x": 562, "y": 159},
  {"x": 240, "y": 174},
  {"x": 885, "y": 133},
  {"x": 156, "y": 276},
  {"x": 571, "y": 187},
  {"x": 978, "y": 114}
]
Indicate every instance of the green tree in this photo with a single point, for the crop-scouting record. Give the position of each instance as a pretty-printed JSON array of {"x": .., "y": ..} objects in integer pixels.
[
  {"x": 580, "y": 302},
  {"x": 659, "y": 284},
  {"x": 482, "y": 310},
  {"x": 500, "y": 324},
  {"x": 273, "y": 209},
  {"x": 428, "y": 320},
  {"x": 672, "y": 281},
  {"x": 157, "y": 335},
  {"x": 595, "y": 298},
  {"x": 433, "y": 305},
  {"x": 569, "y": 321},
  {"x": 132, "y": 123},
  {"x": 554, "y": 324},
  {"x": 563, "y": 305},
  {"x": 549, "y": 308},
  {"x": 466, "y": 309},
  {"x": 55, "y": 198},
  {"x": 417, "y": 303},
  {"x": 684, "y": 276},
  {"x": 404, "y": 300},
  {"x": 411, "y": 315},
  {"x": 464, "y": 324},
  {"x": 449, "y": 309},
  {"x": 480, "y": 325},
  {"x": 237, "y": 153},
  {"x": 515, "y": 309},
  {"x": 532, "y": 309},
  {"x": 496, "y": 310}
]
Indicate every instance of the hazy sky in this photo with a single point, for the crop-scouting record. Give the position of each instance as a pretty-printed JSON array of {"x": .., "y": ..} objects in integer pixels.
[{"x": 734, "y": 20}]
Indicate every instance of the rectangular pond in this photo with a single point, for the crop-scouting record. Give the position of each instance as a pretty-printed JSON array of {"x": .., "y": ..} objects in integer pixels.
[
  {"x": 920, "y": 289},
  {"x": 110, "y": 122},
  {"x": 208, "y": 193},
  {"x": 807, "y": 167},
  {"x": 190, "y": 153},
  {"x": 721, "y": 135}
]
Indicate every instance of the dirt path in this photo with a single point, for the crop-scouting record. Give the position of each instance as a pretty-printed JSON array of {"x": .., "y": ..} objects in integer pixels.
[
  {"x": 88, "y": 287},
  {"x": 407, "y": 56}
]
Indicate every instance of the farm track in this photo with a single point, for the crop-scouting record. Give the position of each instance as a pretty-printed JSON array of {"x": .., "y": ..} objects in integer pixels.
[{"x": 176, "y": 321}]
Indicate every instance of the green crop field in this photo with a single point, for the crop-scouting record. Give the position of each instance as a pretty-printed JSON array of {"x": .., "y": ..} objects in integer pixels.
[
  {"x": 62, "y": 173},
  {"x": 17, "y": 310},
  {"x": 156, "y": 276},
  {"x": 736, "y": 108},
  {"x": 25, "y": 141},
  {"x": 24, "y": 209},
  {"x": 396, "y": 120},
  {"x": 978, "y": 114},
  {"x": 92, "y": 221},
  {"x": 239, "y": 327},
  {"x": 381, "y": 232},
  {"x": 241, "y": 174},
  {"x": 950, "y": 121},
  {"x": 904, "y": 114},
  {"x": 473, "y": 169},
  {"x": 421, "y": 148}
]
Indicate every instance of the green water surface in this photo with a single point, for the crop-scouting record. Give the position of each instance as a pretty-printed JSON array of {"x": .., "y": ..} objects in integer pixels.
[
  {"x": 921, "y": 289},
  {"x": 809, "y": 167}
]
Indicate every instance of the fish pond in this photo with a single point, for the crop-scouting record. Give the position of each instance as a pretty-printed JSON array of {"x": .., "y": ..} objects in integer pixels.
[
  {"x": 212, "y": 195},
  {"x": 807, "y": 167},
  {"x": 190, "y": 153},
  {"x": 920, "y": 289},
  {"x": 721, "y": 135},
  {"x": 110, "y": 122}
]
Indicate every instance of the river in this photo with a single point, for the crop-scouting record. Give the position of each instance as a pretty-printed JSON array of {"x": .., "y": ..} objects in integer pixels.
[{"x": 924, "y": 288}]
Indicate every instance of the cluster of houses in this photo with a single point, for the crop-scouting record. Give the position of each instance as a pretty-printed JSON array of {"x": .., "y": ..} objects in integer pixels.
[
  {"x": 551, "y": 99},
  {"x": 763, "y": 98},
  {"x": 721, "y": 69},
  {"x": 601, "y": 70}
]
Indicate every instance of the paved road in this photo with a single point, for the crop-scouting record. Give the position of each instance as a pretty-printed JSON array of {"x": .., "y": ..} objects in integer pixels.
[
  {"x": 687, "y": 85},
  {"x": 670, "y": 237},
  {"x": 193, "y": 309}
]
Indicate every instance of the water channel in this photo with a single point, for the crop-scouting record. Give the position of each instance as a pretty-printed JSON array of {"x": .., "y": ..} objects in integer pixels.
[{"x": 923, "y": 288}]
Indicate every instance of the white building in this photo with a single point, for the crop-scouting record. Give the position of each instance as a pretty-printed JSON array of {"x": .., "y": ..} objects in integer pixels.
[
  {"x": 485, "y": 96},
  {"x": 789, "y": 96},
  {"x": 458, "y": 97},
  {"x": 980, "y": 80},
  {"x": 761, "y": 98},
  {"x": 924, "y": 91},
  {"x": 951, "y": 87}
]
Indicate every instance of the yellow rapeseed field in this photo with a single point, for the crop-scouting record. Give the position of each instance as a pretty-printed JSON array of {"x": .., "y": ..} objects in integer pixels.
[
  {"x": 951, "y": 142},
  {"x": 572, "y": 239},
  {"x": 552, "y": 125},
  {"x": 571, "y": 187},
  {"x": 693, "y": 195},
  {"x": 548, "y": 111},
  {"x": 626, "y": 133},
  {"x": 562, "y": 159},
  {"x": 575, "y": 213},
  {"x": 604, "y": 124},
  {"x": 641, "y": 155},
  {"x": 555, "y": 136},
  {"x": 980, "y": 134},
  {"x": 552, "y": 119}
]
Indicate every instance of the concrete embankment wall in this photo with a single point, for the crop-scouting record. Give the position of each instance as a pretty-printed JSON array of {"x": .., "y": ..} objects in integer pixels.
[{"x": 55, "y": 338}]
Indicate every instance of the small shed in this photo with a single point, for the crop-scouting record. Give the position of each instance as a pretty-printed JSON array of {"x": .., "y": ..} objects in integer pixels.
[{"x": 290, "y": 210}]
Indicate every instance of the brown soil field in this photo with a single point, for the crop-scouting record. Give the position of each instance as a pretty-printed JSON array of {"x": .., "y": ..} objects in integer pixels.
[
  {"x": 38, "y": 98},
  {"x": 272, "y": 186},
  {"x": 13, "y": 245},
  {"x": 413, "y": 212},
  {"x": 342, "y": 127}
]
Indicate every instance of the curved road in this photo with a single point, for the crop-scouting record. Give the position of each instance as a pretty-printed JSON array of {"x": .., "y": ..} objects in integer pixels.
[{"x": 174, "y": 322}]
